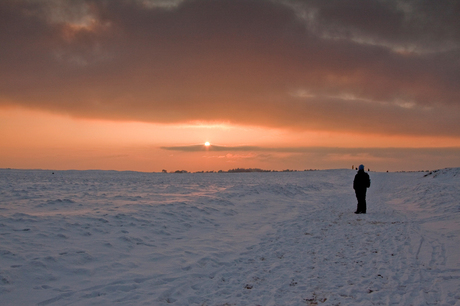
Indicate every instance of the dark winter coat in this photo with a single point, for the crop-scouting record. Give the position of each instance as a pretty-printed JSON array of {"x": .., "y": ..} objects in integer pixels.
[{"x": 361, "y": 181}]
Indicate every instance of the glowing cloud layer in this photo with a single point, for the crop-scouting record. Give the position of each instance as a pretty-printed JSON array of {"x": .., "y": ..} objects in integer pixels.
[{"x": 389, "y": 67}]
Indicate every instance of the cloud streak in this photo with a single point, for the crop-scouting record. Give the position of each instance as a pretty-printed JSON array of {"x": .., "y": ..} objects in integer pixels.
[
  {"x": 392, "y": 159},
  {"x": 378, "y": 152},
  {"x": 360, "y": 66},
  {"x": 200, "y": 148}
]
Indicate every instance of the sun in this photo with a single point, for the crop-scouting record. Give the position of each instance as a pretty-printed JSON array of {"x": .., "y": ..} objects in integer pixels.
[{"x": 207, "y": 144}]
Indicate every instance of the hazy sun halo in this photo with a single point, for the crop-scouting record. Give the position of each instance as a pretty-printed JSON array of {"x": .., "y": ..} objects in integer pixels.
[{"x": 207, "y": 143}]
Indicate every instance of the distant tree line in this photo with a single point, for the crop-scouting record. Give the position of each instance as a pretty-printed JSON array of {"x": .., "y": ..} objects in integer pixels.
[
  {"x": 247, "y": 170},
  {"x": 237, "y": 170}
]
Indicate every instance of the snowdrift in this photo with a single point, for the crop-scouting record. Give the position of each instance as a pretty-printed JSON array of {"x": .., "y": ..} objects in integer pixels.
[{"x": 107, "y": 238}]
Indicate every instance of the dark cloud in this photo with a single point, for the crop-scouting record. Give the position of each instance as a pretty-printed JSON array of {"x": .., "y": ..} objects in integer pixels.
[
  {"x": 379, "y": 159},
  {"x": 380, "y": 153},
  {"x": 368, "y": 66},
  {"x": 198, "y": 148},
  {"x": 214, "y": 148},
  {"x": 410, "y": 25}
]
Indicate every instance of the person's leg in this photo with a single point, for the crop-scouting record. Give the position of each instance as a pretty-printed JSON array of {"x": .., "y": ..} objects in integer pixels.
[
  {"x": 363, "y": 206},
  {"x": 361, "y": 196},
  {"x": 357, "y": 198}
]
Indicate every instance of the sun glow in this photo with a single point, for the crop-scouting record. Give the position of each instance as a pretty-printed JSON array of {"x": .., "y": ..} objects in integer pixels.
[{"x": 207, "y": 144}]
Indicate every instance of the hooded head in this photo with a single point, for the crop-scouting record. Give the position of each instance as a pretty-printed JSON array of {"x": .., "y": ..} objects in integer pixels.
[{"x": 361, "y": 167}]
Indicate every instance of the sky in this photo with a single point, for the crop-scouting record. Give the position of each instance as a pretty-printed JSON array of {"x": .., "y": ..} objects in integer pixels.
[{"x": 272, "y": 84}]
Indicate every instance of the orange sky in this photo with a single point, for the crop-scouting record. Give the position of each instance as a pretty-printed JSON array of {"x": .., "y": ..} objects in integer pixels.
[
  {"x": 34, "y": 139},
  {"x": 137, "y": 85}
]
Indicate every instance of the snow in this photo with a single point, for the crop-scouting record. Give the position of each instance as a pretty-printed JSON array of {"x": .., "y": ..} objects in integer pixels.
[{"x": 106, "y": 238}]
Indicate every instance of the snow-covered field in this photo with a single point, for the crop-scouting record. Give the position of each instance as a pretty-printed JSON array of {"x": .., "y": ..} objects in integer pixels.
[{"x": 105, "y": 238}]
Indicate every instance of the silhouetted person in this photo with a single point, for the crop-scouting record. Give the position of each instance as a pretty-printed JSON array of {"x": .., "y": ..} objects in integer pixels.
[{"x": 360, "y": 185}]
